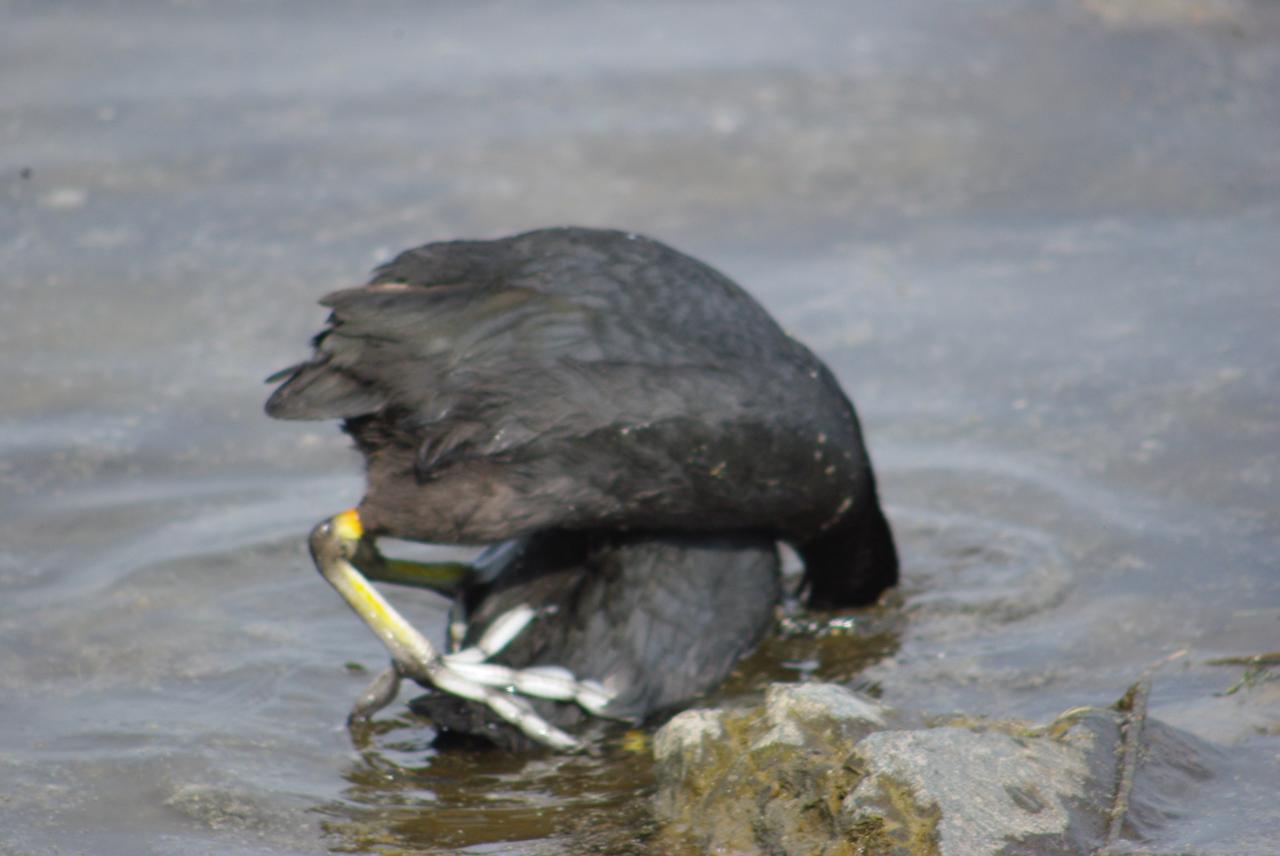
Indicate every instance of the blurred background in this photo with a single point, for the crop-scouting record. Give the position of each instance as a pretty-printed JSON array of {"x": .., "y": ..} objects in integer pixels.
[{"x": 1037, "y": 241}]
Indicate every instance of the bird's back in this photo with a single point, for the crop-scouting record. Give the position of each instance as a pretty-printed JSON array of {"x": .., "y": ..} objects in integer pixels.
[{"x": 586, "y": 379}]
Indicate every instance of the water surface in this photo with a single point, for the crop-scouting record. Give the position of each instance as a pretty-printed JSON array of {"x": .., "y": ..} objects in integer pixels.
[{"x": 1036, "y": 241}]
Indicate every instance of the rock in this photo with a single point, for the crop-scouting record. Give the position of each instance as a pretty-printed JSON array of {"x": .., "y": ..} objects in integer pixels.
[
  {"x": 818, "y": 769},
  {"x": 768, "y": 779},
  {"x": 987, "y": 788},
  {"x": 1175, "y": 767}
]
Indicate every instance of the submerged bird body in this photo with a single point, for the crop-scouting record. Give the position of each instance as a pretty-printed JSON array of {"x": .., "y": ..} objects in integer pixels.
[
  {"x": 659, "y": 621},
  {"x": 575, "y": 379}
]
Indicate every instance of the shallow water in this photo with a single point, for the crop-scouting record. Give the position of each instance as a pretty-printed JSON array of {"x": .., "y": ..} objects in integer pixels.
[{"x": 1037, "y": 242}]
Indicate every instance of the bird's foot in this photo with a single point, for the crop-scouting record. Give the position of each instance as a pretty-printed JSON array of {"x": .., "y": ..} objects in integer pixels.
[
  {"x": 336, "y": 541},
  {"x": 549, "y": 682}
]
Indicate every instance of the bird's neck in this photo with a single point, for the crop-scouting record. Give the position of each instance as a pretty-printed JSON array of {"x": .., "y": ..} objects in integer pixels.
[{"x": 853, "y": 561}]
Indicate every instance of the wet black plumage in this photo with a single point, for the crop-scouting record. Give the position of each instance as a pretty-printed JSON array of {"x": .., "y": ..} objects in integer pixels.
[
  {"x": 578, "y": 379},
  {"x": 639, "y": 422},
  {"x": 660, "y": 619}
]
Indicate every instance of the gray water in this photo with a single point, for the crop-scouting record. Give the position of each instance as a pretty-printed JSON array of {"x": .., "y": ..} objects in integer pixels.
[{"x": 1039, "y": 243}]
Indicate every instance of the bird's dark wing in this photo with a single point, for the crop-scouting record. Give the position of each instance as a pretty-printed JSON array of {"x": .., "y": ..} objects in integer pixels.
[{"x": 479, "y": 370}]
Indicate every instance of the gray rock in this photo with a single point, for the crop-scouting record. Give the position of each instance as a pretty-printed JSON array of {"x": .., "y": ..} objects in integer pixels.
[
  {"x": 987, "y": 788},
  {"x": 818, "y": 769},
  {"x": 768, "y": 779}
]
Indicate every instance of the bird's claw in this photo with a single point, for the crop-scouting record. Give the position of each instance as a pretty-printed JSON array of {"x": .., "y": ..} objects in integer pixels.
[{"x": 465, "y": 673}]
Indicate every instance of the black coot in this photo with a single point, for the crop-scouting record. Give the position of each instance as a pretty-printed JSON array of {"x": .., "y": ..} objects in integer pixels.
[
  {"x": 584, "y": 386},
  {"x": 589, "y": 379}
]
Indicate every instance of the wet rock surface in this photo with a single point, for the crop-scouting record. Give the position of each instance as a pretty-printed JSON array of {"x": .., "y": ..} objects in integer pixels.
[
  {"x": 817, "y": 768},
  {"x": 767, "y": 778}
]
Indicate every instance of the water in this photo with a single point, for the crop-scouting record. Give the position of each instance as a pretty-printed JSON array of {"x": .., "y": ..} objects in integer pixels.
[{"x": 1035, "y": 240}]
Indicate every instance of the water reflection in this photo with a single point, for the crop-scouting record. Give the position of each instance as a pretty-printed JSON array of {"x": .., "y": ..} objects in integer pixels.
[{"x": 405, "y": 793}]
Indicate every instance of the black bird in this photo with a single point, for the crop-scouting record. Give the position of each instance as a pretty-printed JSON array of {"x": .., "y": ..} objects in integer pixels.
[{"x": 580, "y": 381}]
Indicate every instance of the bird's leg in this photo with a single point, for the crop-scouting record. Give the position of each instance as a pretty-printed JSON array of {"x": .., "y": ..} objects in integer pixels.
[
  {"x": 442, "y": 577},
  {"x": 549, "y": 682},
  {"x": 445, "y": 578},
  {"x": 336, "y": 542},
  {"x": 381, "y": 691}
]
